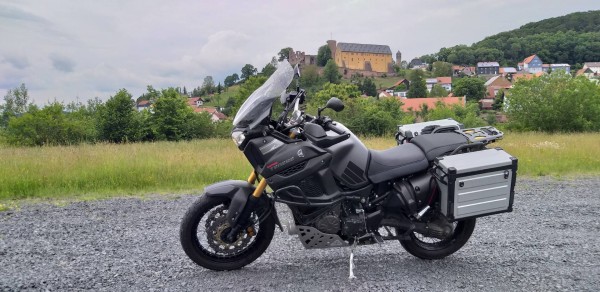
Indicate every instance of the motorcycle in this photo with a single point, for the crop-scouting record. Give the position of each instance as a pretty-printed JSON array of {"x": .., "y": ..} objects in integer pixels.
[{"x": 426, "y": 192}]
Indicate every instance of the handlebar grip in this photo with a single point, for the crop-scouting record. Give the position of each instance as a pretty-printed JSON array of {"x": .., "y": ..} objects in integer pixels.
[{"x": 330, "y": 126}]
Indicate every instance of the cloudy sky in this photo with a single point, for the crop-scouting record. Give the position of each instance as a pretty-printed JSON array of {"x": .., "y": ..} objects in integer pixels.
[{"x": 67, "y": 50}]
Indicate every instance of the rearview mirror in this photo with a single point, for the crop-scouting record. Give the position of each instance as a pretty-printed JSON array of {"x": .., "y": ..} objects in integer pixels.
[{"x": 335, "y": 104}]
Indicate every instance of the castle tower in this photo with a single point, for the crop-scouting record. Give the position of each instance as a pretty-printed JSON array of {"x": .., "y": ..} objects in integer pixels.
[
  {"x": 398, "y": 58},
  {"x": 332, "y": 47}
]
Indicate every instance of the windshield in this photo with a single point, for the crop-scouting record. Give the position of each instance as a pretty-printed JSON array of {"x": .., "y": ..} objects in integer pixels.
[{"x": 258, "y": 105}]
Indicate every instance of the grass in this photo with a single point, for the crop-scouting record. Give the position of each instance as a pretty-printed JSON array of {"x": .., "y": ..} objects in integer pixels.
[{"x": 104, "y": 170}]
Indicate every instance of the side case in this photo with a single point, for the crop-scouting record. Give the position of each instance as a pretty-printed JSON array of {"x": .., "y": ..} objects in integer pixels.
[{"x": 476, "y": 184}]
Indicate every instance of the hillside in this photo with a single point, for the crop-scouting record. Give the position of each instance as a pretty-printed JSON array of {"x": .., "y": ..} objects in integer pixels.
[{"x": 573, "y": 39}]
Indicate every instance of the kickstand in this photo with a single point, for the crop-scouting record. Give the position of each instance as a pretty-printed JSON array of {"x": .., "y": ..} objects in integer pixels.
[{"x": 352, "y": 248}]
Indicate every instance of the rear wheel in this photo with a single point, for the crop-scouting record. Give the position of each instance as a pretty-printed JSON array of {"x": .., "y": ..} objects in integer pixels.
[
  {"x": 203, "y": 231},
  {"x": 430, "y": 248}
]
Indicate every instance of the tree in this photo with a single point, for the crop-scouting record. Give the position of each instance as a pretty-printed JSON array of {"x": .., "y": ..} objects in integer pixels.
[
  {"x": 438, "y": 91},
  {"x": 441, "y": 69},
  {"x": 185, "y": 90},
  {"x": 171, "y": 116},
  {"x": 246, "y": 89},
  {"x": 330, "y": 72},
  {"x": 368, "y": 87},
  {"x": 284, "y": 53},
  {"x": 418, "y": 88},
  {"x": 48, "y": 126},
  {"x": 310, "y": 76},
  {"x": 323, "y": 55},
  {"x": 247, "y": 71},
  {"x": 554, "y": 102},
  {"x": 231, "y": 80},
  {"x": 219, "y": 88},
  {"x": 472, "y": 88},
  {"x": 270, "y": 68},
  {"x": 16, "y": 102},
  {"x": 208, "y": 85},
  {"x": 117, "y": 120}
]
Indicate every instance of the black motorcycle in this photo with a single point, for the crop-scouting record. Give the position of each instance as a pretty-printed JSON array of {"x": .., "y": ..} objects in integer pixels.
[{"x": 426, "y": 192}]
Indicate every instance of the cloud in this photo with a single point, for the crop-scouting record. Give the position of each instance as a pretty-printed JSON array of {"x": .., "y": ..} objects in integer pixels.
[
  {"x": 61, "y": 63},
  {"x": 19, "y": 62},
  {"x": 15, "y": 13}
]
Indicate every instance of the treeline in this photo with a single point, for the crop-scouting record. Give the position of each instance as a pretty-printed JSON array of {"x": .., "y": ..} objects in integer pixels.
[
  {"x": 572, "y": 39},
  {"x": 116, "y": 120}
]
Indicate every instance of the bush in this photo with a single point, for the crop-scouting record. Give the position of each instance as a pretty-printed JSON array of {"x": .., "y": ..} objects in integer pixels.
[{"x": 554, "y": 102}]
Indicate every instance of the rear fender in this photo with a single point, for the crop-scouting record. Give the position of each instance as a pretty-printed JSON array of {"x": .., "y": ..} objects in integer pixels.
[{"x": 239, "y": 192}]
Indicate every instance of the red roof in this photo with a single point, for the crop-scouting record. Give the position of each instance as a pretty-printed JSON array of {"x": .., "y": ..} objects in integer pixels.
[
  {"x": 144, "y": 103},
  {"x": 192, "y": 100},
  {"x": 416, "y": 103},
  {"x": 444, "y": 80},
  {"x": 528, "y": 59},
  {"x": 212, "y": 111}
]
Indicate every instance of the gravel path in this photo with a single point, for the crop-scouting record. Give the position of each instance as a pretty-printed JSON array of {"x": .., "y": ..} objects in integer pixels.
[{"x": 550, "y": 242}]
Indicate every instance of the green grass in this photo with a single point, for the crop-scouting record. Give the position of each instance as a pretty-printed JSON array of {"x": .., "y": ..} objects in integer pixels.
[{"x": 104, "y": 170}]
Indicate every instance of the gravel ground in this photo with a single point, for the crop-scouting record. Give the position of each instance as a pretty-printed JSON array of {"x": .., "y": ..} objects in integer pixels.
[{"x": 550, "y": 242}]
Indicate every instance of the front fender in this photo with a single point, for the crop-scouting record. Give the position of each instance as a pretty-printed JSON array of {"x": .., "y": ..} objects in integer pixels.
[{"x": 238, "y": 192}]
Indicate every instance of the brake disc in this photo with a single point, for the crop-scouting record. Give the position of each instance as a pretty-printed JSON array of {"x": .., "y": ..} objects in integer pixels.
[{"x": 216, "y": 227}]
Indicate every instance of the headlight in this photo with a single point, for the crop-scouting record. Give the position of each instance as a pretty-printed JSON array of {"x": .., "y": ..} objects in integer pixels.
[{"x": 238, "y": 137}]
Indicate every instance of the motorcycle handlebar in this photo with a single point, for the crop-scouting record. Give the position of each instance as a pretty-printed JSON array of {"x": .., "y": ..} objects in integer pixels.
[{"x": 330, "y": 126}]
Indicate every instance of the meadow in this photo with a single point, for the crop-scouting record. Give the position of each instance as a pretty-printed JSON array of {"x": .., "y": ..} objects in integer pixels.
[{"x": 105, "y": 170}]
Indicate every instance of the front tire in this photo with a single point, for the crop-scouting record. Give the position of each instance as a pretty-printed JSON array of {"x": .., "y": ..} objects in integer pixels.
[
  {"x": 200, "y": 235},
  {"x": 432, "y": 249}
]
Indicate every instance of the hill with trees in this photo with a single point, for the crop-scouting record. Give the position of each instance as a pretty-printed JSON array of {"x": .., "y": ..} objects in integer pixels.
[{"x": 572, "y": 39}]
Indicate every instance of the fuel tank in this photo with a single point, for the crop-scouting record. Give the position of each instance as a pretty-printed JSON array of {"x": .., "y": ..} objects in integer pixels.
[{"x": 350, "y": 159}]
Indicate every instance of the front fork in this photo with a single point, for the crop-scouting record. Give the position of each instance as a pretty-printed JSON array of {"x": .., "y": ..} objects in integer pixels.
[{"x": 252, "y": 202}]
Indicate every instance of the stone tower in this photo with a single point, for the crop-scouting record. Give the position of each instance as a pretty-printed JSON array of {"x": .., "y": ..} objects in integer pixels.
[
  {"x": 398, "y": 58},
  {"x": 332, "y": 46}
]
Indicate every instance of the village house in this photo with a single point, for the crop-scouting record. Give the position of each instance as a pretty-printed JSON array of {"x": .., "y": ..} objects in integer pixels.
[
  {"x": 195, "y": 101},
  {"x": 143, "y": 105},
  {"x": 495, "y": 84},
  {"x": 488, "y": 68},
  {"x": 445, "y": 82},
  {"x": 458, "y": 71},
  {"x": 416, "y": 104},
  {"x": 215, "y": 115},
  {"x": 532, "y": 64}
]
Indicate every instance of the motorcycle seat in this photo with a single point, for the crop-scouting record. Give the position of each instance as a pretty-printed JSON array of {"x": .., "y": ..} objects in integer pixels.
[
  {"x": 435, "y": 145},
  {"x": 396, "y": 162}
]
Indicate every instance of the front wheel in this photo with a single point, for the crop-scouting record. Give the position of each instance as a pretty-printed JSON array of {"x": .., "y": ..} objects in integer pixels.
[
  {"x": 432, "y": 248},
  {"x": 202, "y": 236}
]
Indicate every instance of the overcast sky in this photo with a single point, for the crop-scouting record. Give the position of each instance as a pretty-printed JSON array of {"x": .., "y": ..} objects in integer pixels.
[{"x": 66, "y": 49}]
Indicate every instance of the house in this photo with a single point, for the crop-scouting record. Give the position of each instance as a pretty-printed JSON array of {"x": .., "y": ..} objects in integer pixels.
[
  {"x": 458, "y": 71},
  {"x": 565, "y": 67},
  {"x": 445, "y": 82},
  {"x": 416, "y": 64},
  {"x": 195, "y": 101},
  {"x": 532, "y": 64},
  {"x": 593, "y": 66},
  {"x": 430, "y": 82},
  {"x": 363, "y": 57},
  {"x": 495, "y": 84},
  {"x": 215, "y": 115},
  {"x": 488, "y": 68},
  {"x": 401, "y": 81},
  {"x": 486, "y": 103},
  {"x": 507, "y": 70},
  {"x": 385, "y": 93},
  {"x": 143, "y": 105},
  {"x": 415, "y": 104},
  {"x": 526, "y": 76}
]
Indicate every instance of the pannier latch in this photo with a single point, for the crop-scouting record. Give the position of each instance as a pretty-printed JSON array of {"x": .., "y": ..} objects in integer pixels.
[{"x": 506, "y": 173}]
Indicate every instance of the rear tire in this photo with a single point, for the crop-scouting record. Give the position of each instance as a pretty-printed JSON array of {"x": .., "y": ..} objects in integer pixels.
[
  {"x": 220, "y": 259},
  {"x": 433, "y": 249}
]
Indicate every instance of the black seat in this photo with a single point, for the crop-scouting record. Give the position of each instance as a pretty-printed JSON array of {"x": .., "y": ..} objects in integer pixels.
[
  {"x": 396, "y": 162},
  {"x": 435, "y": 145}
]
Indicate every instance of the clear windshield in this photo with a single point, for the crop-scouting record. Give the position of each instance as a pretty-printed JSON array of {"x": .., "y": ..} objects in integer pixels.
[{"x": 258, "y": 105}]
